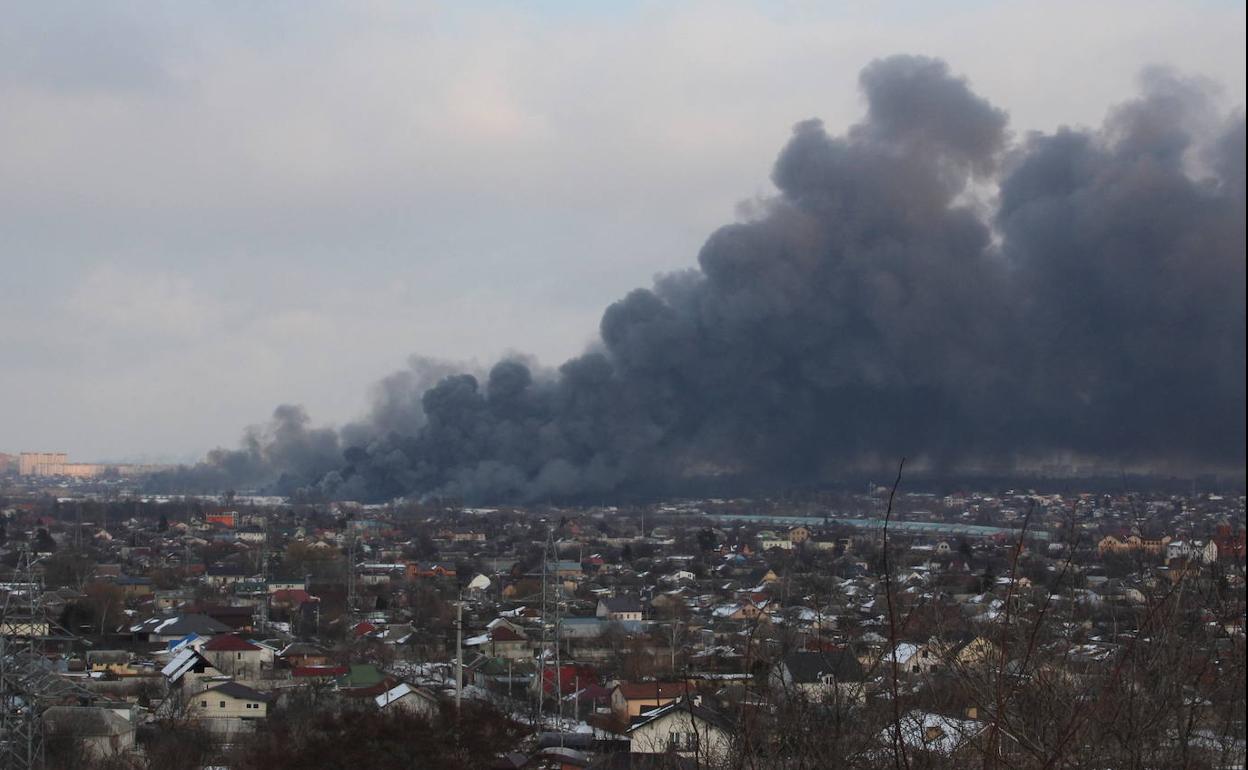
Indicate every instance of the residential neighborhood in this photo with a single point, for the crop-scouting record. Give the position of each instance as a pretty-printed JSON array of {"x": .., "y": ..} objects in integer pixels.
[{"x": 688, "y": 633}]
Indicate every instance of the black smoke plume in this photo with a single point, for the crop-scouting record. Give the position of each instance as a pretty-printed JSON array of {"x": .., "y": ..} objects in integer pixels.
[{"x": 924, "y": 285}]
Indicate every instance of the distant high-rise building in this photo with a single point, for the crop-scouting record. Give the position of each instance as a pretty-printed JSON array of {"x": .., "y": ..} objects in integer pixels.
[
  {"x": 41, "y": 463},
  {"x": 58, "y": 464}
]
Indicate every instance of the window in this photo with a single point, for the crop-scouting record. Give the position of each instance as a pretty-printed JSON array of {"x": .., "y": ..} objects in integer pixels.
[
  {"x": 222, "y": 704},
  {"x": 683, "y": 741},
  {"x": 203, "y": 704}
]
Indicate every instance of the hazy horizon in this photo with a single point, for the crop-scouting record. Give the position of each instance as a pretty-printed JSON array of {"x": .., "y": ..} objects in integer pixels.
[{"x": 234, "y": 208}]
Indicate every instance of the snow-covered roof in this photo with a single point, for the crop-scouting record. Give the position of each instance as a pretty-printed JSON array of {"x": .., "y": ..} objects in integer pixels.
[
  {"x": 933, "y": 732},
  {"x": 393, "y": 694}
]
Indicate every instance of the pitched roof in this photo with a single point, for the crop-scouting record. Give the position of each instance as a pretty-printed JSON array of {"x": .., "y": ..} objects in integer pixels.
[
  {"x": 810, "y": 667},
  {"x": 183, "y": 662},
  {"x": 302, "y": 648},
  {"x": 400, "y": 690},
  {"x": 934, "y": 732},
  {"x": 903, "y": 652},
  {"x": 621, "y": 604},
  {"x": 505, "y": 634},
  {"x": 181, "y": 625},
  {"x": 230, "y": 643},
  {"x": 683, "y": 704}
]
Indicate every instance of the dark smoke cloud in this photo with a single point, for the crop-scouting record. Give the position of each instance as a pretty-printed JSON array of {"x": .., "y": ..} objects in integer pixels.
[
  {"x": 1134, "y": 278},
  {"x": 280, "y": 452},
  {"x": 870, "y": 309}
]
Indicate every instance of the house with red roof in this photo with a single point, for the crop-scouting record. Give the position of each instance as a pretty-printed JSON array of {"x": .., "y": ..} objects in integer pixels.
[
  {"x": 502, "y": 640},
  {"x": 234, "y": 656}
]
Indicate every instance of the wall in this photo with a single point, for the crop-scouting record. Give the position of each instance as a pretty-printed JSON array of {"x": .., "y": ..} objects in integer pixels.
[{"x": 712, "y": 744}]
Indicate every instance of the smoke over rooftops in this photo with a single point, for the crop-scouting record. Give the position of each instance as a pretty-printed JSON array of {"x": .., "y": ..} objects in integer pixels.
[{"x": 871, "y": 308}]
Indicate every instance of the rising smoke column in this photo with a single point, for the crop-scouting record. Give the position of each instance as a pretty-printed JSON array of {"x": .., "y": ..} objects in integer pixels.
[
  {"x": 1127, "y": 252},
  {"x": 870, "y": 309}
]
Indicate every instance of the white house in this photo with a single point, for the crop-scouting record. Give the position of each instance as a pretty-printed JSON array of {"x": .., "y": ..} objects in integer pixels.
[
  {"x": 233, "y": 655},
  {"x": 231, "y": 700},
  {"x": 405, "y": 697},
  {"x": 622, "y": 608},
  {"x": 911, "y": 658},
  {"x": 820, "y": 676},
  {"x": 683, "y": 728}
]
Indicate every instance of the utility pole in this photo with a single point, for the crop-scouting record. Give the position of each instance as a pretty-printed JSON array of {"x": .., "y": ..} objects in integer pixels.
[
  {"x": 459, "y": 653},
  {"x": 351, "y": 597},
  {"x": 262, "y": 608},
  {"x": 675, "y": 622},
  {"x": 541, "y": 657}
]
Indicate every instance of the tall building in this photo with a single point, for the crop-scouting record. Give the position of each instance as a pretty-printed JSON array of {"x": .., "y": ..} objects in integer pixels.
[
  {"x": 58, "y": 464},
  {"x": 41, "y": 463}
]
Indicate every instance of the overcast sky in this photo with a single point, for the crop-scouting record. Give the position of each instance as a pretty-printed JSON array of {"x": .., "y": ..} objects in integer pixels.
[{"x": 207, "y": 209}]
